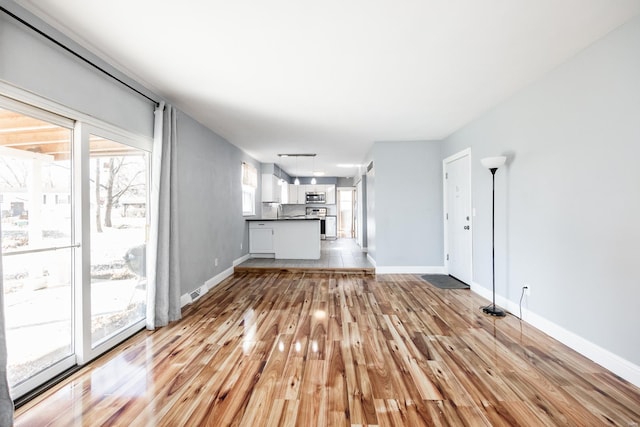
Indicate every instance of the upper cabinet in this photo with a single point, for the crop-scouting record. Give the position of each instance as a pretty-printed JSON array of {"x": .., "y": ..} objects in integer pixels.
[
  {"x": 330, "y": 195},
  {"x": 271, "y": 189},
  {"x": 297, "y": 193},
  {"x": 293, "y": 194}
]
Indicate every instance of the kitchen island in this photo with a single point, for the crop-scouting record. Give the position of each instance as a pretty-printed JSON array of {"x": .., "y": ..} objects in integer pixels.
[{"x": 284, "y": 238}]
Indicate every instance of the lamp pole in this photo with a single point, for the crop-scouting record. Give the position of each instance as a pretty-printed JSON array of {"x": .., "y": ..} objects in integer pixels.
[{"x": 492, "y": 163}]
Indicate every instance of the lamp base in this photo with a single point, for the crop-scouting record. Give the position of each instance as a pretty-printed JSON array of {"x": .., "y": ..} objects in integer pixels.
[{"x": 493, "y": 310}]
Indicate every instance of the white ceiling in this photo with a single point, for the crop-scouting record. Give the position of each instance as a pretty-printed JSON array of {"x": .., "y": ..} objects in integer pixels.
[{"x": 332, "y": 77}]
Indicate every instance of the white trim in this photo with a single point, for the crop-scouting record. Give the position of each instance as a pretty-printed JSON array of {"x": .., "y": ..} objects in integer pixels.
[
  {"x": 445, "y": 162},
  {"x": 35, "y": 112},
  {"x": 119, "y": 337},
  {"x": 603, "y": 357},
  {"x": 206, "y": 287},
  {"x": 371, "y": 260},
  {"x": 185, "y": 300},
  {"x": 241, "y": 259},
  {"x": 211, "y": 283},
  {"x": 402, "y": 269},
  {"x": 460, "y": 154},
  {"x": 41, "y": 377}
]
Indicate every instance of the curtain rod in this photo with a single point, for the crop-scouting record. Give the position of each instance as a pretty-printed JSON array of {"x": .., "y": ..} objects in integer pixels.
[{"x": 74, "y": 53}]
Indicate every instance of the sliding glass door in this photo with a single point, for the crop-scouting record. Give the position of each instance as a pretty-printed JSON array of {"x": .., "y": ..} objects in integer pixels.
[
  {"x": 118, "y": 192},
  {"x": 73, "y": 201},
  {"x": 37, "y": 244}
]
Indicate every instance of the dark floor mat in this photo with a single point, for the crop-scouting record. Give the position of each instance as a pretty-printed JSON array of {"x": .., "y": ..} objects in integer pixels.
[{"x": 443, "y": 281}]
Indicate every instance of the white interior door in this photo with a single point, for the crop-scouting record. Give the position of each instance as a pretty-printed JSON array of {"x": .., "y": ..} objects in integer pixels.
[{"x": 458, "y": 222}]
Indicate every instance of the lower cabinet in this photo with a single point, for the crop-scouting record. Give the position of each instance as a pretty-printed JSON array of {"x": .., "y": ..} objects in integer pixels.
[
  {"x": 287, "y": 239},
  {"x": 331, "y": 227},
  {"x": 261, "y": 238}
]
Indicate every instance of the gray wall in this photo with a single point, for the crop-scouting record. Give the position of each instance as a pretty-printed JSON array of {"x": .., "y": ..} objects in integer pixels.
[
  {"x": 211, "y": 222},
  {"x": 569, "y": 199},
  {"x": 408, "y": 204},
  {"x": 210, "y": 198},
  {"x": 29, "y": 61}
]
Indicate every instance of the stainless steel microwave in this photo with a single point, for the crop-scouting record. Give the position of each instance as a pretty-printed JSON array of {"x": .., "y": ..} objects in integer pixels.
[{"x": 315, "y": 197}]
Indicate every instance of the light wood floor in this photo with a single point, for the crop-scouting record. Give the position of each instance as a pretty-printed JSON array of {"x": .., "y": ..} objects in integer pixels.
[{"x": 331, "y": 349}]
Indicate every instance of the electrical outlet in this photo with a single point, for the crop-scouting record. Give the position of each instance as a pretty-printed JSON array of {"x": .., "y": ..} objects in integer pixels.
[
  {"x": 527, "y": 289},
  {"x": 216, "y": 262}
]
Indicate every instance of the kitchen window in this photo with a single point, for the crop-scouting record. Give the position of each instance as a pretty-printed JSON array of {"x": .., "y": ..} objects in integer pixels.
[{"x": 249, "y": 185}]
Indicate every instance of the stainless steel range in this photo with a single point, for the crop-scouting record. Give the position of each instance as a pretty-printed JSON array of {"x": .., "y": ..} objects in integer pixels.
[
  {"x": 316, "y": 212},
  {"x": 320, "y": 213}
]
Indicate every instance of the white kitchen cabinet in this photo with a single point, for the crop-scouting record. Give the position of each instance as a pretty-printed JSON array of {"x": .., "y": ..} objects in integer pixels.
[
  {"x": 261, "y": 238},
  {"x": 285, "y": 239},
  {"x": 284, "y": 193},
  {"x": 330, "y": 194},
  {"x": 297, "y": 239},
  {"x": 331, "y": 227},
  {"x": 293, "y": 194},
  {"x": 297, "y": 194},
  {"x": 271, "y": 190},
  {"x": 302, "y": 194}
]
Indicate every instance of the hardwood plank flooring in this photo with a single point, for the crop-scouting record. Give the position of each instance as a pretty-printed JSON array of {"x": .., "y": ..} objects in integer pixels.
[{"x": 311, "y": 349}]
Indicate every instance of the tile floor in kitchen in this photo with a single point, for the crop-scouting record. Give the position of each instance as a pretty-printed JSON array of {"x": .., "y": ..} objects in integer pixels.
[{"x": 339, "y": 253}]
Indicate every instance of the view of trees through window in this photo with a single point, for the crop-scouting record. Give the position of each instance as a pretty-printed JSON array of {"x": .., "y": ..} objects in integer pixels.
[
  {"x": 40, "y": 240},
  {"x": 118, "y": 236}
]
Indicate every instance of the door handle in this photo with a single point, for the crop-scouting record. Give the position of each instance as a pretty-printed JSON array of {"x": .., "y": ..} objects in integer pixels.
[{"x": 466, "y": 227}]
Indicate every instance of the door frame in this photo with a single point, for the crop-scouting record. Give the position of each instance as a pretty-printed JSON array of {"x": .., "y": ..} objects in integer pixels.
[
  {"x": 445, "y": 163},
  {"x": 70, "y": 360},
  {"x": 85, "y": 350},
  {"x": 353, "y": 210},
  {"x": 82, "y": 125}
]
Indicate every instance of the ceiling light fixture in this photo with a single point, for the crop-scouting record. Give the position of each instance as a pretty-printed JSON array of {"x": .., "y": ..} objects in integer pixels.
[
  {"x": 313, "y": 167},
  {"x": 296, "y": 155}
]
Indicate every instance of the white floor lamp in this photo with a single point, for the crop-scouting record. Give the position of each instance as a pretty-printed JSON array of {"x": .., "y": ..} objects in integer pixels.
[{"x": 493, "y": 163}]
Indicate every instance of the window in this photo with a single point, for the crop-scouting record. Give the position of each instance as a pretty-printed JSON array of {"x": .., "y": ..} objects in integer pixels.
[
  {"x": 73, "y": 200},
  {"x": 249, "y": 185}
]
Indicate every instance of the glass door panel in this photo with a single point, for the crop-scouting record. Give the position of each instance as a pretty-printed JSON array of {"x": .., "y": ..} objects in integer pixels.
[
  {"x": 118, "y": 175},
  {"x": 37, "y": 246}
]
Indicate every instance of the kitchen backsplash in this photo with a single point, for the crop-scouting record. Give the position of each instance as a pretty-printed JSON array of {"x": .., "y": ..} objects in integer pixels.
[{"x": 299, "y": 210}]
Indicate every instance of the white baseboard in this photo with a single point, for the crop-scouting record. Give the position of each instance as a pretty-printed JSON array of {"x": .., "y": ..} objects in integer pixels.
[
  {"x": 199, "y": 292},
  {"x": 241, "y": 260},
  {"x": 185, "y": 300},
  {"x": 371, "y": 260},
  {"x": 211, "y": 283},
  {"x": 401, "y": 269},
  {"x": 616, "y": 364}
]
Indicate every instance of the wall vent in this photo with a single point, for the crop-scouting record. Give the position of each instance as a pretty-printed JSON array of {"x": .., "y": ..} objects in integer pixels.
[{"x": 195, "y": 294}]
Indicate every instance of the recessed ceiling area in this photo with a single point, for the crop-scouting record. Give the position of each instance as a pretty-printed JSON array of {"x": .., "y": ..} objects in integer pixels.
[{"x": 333, "y": 77}]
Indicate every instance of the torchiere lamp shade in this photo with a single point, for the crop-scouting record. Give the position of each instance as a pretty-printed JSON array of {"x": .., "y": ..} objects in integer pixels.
[{"x": 493, "y": 162}]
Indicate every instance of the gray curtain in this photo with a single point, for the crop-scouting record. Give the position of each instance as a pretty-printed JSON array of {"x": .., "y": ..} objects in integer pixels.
[
  {"x": 6, "y": 403},
  {"x": 163, "y": 266}
]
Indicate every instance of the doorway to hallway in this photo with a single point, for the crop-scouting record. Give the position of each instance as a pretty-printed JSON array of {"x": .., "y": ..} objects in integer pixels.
[{"x": 346, "y": 212}]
